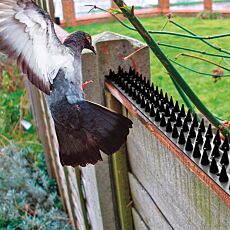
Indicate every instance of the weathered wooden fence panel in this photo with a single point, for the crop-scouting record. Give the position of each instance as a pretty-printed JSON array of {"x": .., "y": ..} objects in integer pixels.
[
  {"x": 180, "y": 195},
  {"x": 166, "y": 194}
]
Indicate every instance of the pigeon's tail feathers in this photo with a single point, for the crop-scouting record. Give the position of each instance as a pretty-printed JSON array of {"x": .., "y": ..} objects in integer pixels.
[{"x": 91, "y": 129}]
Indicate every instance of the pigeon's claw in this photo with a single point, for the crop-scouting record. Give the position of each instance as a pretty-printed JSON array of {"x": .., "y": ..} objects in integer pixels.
[{"x": 86, "y": 83}]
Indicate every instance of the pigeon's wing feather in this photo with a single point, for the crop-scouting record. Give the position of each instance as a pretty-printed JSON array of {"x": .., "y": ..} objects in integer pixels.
[{"x": 27, "y": 35}]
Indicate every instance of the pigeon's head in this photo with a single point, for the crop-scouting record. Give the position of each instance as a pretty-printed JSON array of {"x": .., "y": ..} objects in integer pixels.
[{"x": 81, "y": 39}]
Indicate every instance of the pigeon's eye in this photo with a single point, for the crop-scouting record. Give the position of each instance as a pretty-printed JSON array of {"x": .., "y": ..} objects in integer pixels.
[{"x": 89, "y": 39}]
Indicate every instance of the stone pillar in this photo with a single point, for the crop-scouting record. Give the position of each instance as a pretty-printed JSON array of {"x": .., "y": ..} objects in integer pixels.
[
  {"x": 164, "y": 6},
  {"x": 69, "y": 12},
  {"x": 208, "y": 5}
]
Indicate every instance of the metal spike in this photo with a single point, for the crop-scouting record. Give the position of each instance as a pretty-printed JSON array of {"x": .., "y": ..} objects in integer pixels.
[
  {"x": 216, "y": 139},
  {"x": 152, "y": 87},
  {"x": 163, "y": 121},
  {"x": 152, "y": 111},
  {"x": 172, "y": 115},
  {"x": 224, "y": 159},
  {"x": 215, "y": 151},
  {"x": 223, "y": 175},
  {"x": 161, "y": 106},
  {"x": 138, "y": 101},
  {"x": 130, "y": 70},
  {"x": 157, "y": 91},
  {"x": 196, "y": 151},
  {"x": 181, "y": 139},
  {"x": 204, "y": 159},
  {"x": 148, "y": 84},
  {"x": 225, "y": 144},
  {"x": 161, "y": 95},
  {"x": 134, "y": 96},
  {"x": 168, "y": 126},
  {"x": 188, "y": 146},
  {"x": 192, "y": 132},
  {"x": 143, "y": 102},
  {"x": 166, "y": 99},
  {"x": 157, "y": 116},
  {"x": 152, "y": 98},
  {"x": 171, "y": 103},
  {"x": 126, "y": 87},
  {"x": 188, "y": 116},
  {"x": 199, "y": 138},
  {"x": 182, "y": 111},
  {"x": 201, "y": 126},
  {"x": 175, "y": 133},
  {"x": 195, "y": 121},
  {"x": 147, "y": 106},
  {"x": 178, "y": 122},
  {"x": 130, "y": 91},
  {"x": 120, "y": 70},
  {"x": 185, "y": 126},
  {"x": 207, "y": 144},
  {"x": 156, "y": 103},
  {"x": 208, "y": 133},
  {"x": 167, "y": 110},
  {"x": 213, "y": 167},
  {"x": 176, "y": 107}
]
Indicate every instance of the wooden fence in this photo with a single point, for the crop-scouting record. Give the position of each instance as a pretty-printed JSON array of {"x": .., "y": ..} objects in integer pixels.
[
  {"x": 163, "y": 7},
  {"x": 148, "y": 183}
]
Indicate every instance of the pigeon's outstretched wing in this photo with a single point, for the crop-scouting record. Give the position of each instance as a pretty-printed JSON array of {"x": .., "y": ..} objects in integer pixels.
[{"x": 27, "y": 35}]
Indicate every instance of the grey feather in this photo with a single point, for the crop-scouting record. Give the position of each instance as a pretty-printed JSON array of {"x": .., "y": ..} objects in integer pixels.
[{"x": 82, "y": 127}]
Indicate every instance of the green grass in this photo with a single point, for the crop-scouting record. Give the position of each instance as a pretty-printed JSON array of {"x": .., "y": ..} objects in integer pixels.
[
  {"x": 215, "y": 95},
  {"x": 14, "y": 106}
]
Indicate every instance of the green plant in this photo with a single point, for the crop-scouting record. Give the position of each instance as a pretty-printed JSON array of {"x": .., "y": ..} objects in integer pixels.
[{"x": 28, "y": 196}]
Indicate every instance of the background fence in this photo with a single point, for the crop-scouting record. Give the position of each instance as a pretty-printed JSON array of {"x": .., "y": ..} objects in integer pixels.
[{"x": 74, "y": 13}]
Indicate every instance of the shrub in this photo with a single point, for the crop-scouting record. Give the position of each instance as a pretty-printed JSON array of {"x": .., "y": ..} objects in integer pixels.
[{"x": 28, "y": 196}]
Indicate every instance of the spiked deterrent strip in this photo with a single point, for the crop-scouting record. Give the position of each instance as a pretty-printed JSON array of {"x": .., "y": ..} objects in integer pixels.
[{"x": 195, "y": 140}]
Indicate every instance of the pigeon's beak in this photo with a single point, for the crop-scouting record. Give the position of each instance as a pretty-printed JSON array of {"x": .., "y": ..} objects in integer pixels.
[{"x": 92, "y": 49}]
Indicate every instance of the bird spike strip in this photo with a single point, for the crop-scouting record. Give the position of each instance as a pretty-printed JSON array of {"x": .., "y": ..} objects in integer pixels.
[{"x": 194, "y": 139}]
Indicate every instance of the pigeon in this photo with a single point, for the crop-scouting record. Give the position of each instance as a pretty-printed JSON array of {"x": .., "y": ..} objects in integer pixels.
[{"x": 83, "y": 128}]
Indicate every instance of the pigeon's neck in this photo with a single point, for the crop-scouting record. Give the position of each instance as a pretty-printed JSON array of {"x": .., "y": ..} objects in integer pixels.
[{"x": 76, "y": 45}]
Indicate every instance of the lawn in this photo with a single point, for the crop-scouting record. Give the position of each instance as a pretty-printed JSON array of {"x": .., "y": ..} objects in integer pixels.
[{"x": 212, "y": 93}]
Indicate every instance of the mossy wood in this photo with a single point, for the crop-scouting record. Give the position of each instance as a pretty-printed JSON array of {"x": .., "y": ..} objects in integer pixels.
[{"x": 120, "y": 175}]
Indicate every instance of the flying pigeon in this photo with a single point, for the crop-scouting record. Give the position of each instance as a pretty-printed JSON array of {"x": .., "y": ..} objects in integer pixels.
[{"x": 83, "y": 128}]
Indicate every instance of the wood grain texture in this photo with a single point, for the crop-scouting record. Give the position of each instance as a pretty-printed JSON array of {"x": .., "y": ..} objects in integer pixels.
[
  {"x": 146, "y": 207},
  {"x": 138, "y": 222},
  {"x": 111, "y": 50},
  {"x": 186, "y": 201}
]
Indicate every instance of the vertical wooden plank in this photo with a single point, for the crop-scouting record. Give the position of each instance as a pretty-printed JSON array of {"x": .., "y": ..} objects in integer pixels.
[
  {"x": 164, "y": 6},
  {"x": 208, "y": 5},
  {"x": 120, "y": 174},
  {"x": 82, "y": 201},
  {"x": 112, "y": 50},
  {"x": 73, "y": 221},
  {"x": 50, "y": 4},
  {"x": 138, "y": 222},
  {"x": 68, "y": 12}
]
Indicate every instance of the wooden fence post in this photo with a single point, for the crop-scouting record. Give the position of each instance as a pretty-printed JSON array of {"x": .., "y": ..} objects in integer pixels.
[
  {"x": 208, "y": 5},
  {"x": 68, "y": 12},
  {"x": 164, "y": 6},
  {"x": 113, "y": 50}
]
